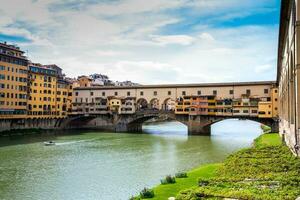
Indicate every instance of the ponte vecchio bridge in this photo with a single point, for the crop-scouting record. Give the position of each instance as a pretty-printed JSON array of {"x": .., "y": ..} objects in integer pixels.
[{"x": 198, "y": 106}]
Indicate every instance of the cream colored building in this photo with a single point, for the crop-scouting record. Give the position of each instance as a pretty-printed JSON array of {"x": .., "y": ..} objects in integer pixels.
[
  {"x": 158, "y": 96},
  {"x": 288, "y": 74}
]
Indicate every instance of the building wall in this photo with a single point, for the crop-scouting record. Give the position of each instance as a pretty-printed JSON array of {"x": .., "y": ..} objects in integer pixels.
[
  {"x": 42, "y": 95},
  {"x": 288, "y": 75},
  {"x": 13, "y": 83}
]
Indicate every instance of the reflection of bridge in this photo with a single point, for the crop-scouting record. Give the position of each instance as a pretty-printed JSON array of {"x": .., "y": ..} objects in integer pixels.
[{"x": 198, "y": 125}]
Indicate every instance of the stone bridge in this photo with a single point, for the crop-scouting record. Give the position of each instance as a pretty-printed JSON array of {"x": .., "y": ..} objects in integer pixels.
[{"x": 197, "y": 125}]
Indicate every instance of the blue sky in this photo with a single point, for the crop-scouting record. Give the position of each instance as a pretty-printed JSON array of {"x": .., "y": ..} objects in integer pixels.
[{"x": 150, "y": 42}]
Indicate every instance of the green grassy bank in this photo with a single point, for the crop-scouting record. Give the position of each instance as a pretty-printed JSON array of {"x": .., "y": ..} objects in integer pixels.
[{"x": 268, "y": 170}]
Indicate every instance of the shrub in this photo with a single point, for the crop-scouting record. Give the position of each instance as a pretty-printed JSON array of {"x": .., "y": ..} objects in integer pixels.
[
  {"x": 203, "y": 182},
  {"x": 147, "y": 193},
  {"x": 181, "y": 175},
  {"x": 168, "y": 180}
]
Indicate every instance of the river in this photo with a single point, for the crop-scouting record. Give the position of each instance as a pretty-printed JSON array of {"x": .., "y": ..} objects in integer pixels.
[{"x": 110, "y": 166}]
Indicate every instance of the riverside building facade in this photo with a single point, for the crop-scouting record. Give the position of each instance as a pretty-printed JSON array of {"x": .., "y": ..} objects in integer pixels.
[
  {"x": 49, "y": 92},
  {"x": 29, "y": 90},
  {"x": 288, "y": 74},
  {"x": 13, "y": 82}
]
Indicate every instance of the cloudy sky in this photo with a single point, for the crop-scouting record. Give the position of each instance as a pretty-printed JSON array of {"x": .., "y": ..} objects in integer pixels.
[{"x": 148, "y": 41}]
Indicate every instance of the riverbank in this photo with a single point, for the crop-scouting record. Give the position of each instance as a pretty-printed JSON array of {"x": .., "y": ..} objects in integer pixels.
[{"x": 267, "y": 170}]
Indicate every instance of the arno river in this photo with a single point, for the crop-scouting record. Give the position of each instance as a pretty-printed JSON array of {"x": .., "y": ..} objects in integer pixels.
[{"x": 110, "y": 166}]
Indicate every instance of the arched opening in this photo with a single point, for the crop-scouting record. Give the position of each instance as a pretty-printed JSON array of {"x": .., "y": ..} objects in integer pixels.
[
  {"x": 154, "y": 104},
  {"x": 164, "y": 125},
  {"x": 168, "y": 105},
  {"x": 142, "y": 104},
  {"x": 239, "y": 132}
]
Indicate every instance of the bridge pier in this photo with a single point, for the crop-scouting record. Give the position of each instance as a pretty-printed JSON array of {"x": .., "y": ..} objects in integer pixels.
[
  {"x": 275, "y": 127},
  {"x": 195, "y": 129}
]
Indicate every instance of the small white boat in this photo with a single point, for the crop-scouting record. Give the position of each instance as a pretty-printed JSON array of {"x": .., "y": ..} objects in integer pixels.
[{"x": 49, "y": 143}]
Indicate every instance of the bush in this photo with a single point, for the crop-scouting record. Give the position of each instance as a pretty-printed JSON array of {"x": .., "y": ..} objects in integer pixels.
[
  {"x": 181, "y": 175},
  {"x": 168, "y": 180},
  {"x": 203, "y": 182},
  {"x": 147, "y": 193}
]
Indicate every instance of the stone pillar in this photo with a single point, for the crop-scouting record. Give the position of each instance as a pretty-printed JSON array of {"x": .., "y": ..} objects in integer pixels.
[
  {"x": 198, "y": 129},
  {"x": 198, "y": 125},
  {"x": 275, "y": 127}
]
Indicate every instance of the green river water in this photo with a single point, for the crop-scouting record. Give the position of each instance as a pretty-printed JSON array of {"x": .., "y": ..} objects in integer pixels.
[{"x": 111, "y": 166}]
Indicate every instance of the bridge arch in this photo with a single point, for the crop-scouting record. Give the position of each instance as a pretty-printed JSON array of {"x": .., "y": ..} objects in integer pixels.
[
  {"x": 154, "y": 104},
  {"x": 207, "y": 124},
  {"x": 168, "y": 104},
  {"x": 142, "y": 104}
]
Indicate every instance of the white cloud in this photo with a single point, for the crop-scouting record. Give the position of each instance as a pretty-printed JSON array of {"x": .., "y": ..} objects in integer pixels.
[
  {"x": 131, "y": 39},
  {"x": 174, "y": 39},
  {"x": 109, "y": 53},
  {"x": 207, "y": 37}
]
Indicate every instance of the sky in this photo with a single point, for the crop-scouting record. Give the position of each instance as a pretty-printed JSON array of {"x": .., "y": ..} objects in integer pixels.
[{"x": 149, "y": 42}]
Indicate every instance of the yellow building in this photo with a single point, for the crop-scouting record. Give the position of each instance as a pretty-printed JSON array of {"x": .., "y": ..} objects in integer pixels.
[
  {"x": 63, "y": 98},
  {"x": 13, "y": 82},
  {"x": 50, "y": 96},
  {"x": 182, "y": 106},
  {"x": 114, "y": 104},
  {"x": 84, "y": 81},
  {"x": 42, "y": 91},
  {"x": 274, "y": 98},
  {"x": 265, "y": 109},
  {"x": 268, "y": 107}
]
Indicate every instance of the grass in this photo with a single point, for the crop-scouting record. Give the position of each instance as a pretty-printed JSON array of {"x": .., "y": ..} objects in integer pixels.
[
  {"x": 265, "y": 128},
  {"x": 270, "y": 139},
  {"x": 267, "y": 171},
  {"x": 163, "y": 192}
]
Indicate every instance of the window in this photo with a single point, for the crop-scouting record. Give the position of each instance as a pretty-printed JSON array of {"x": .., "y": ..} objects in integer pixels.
[
  {"x": 155, "y": 93},
  {"x": 245, "y": 111},
  {"x": 248, "y": 92},
  {"x": 230, "y": 91},
  {"x": 215, "y": 92},
  {"x": 141, "y": 93},
  {"x": 199, "y": 92},
  {"x": 76, "y": 93},
  {"x": 254, "y": 111},
  {"x": 92, "y": 93},
  {"x": 266, "y": 91},
  {"x": 275, "y": 91},
  {"x": 2, "y": 67},
  {"x": 169, "y": 92},
  {"x": 275, "y": 99},
  {"x": 2, "y": 76},
  {"x": 183, "y": 93},
  {"x": 116, "y": 93},
  {"x": 128, "y": 93},
  {"x": 103, "y": 93}
]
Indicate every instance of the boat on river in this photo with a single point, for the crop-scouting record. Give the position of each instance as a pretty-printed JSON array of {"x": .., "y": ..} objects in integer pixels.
[{"x": 49, "y": 143}]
